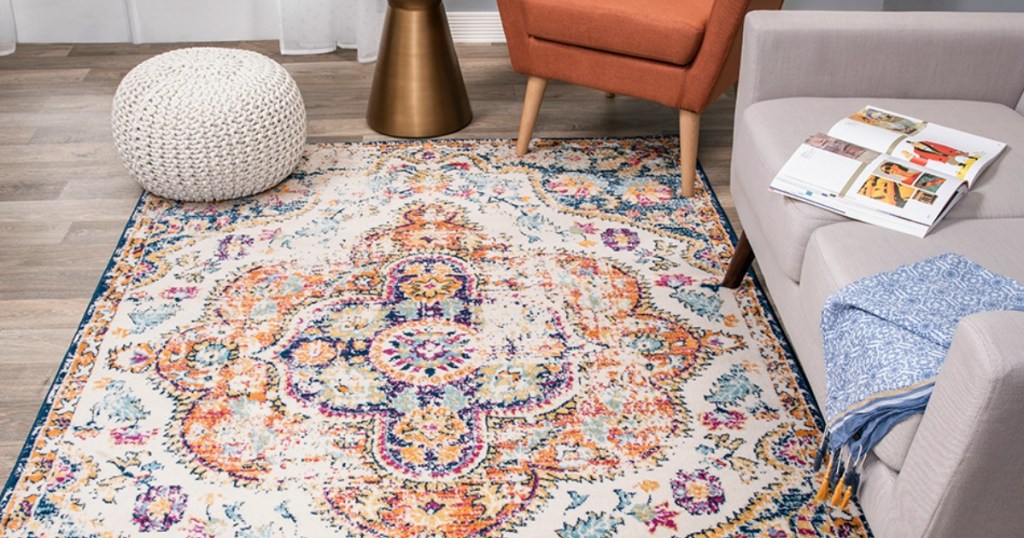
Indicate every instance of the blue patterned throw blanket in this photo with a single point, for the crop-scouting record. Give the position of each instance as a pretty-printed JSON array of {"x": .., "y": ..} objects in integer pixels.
[{"x": 885, "y": 339}]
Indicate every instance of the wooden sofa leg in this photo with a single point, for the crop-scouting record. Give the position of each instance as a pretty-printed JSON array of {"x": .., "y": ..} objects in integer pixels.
[
  {"x": 742, "y": 257},
  {"x": 535, "y": 87},
  {"x": 689, "y": 133}
]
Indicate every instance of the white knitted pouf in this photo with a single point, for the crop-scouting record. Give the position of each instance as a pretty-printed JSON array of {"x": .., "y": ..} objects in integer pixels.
[{"x": 205, "y": 124}]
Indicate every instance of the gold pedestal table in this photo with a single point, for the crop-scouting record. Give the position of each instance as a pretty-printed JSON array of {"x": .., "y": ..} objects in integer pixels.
[{"x": 418, "y": 91}]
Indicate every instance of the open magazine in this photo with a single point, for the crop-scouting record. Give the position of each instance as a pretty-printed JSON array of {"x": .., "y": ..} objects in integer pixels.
[{"x": 887, "y": 169}]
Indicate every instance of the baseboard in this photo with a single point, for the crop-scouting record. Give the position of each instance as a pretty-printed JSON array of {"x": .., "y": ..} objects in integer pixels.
[{"x": 476, "y": 27}]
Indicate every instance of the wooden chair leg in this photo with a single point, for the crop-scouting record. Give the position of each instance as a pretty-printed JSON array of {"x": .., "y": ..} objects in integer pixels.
[
  {"x": 535, "y": 87},
  {"x": 742, "y": 257},
  {"x": 689, "y": 133}
]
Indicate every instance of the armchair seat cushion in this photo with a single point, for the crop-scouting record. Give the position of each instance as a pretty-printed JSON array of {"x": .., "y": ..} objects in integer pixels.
[
  {"x": 668, "y": 31},
  {"x": 774, "y": 129}
]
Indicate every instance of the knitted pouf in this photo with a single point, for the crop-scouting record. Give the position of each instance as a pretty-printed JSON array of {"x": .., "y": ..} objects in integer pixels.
[{"x": 205, "y": 124}]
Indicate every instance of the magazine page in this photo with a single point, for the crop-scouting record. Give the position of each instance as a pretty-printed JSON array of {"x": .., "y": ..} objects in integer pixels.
[
  {"x": 876, "y": 129},
  {"x": 944, "y": 150},
  {"x": 900, "y": 189},
  {"x": 948, "y": 151},
  {"x": 825, "y": 165},
  {"x": 866, "y": 185}
]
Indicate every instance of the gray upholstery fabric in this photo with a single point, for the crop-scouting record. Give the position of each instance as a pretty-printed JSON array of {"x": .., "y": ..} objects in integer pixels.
[
  {"x": 877, "y": 497},
  {"x": 965, "y": 459},
  {"x": 892, "y": 449},
  {"x": 963, "y": 474},
  {"x": 786, "y": 224},
  {"x": 842, "y": 253},
  {"x": 759, "y": 131},
  {"x": 785, "y": 294},
  {"x": 956, "y": 470},
  {"x": 925, "y": 460},
  {"x": 829, "y": 266},
  {"x": 883, "y": 54}
]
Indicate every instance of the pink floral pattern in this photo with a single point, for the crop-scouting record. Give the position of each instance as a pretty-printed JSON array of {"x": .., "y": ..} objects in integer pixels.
[{"x": 699, "y": 492}]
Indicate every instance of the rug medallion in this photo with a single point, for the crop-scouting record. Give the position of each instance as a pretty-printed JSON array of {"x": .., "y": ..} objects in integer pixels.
[{"x": 429, "y": 339}]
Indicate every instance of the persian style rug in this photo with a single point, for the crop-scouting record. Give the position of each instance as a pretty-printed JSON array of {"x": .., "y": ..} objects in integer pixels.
[{"x": 429, "y": 339}]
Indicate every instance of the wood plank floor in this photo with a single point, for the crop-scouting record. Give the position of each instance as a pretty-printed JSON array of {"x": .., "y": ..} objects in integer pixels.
[{"x": 65, "y": 197}]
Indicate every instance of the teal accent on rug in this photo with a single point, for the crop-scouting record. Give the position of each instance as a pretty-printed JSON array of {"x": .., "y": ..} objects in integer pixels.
[{"x": 430, "y": 339}]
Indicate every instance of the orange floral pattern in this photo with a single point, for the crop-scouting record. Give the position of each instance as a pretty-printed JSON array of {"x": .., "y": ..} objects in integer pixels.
[{"x": 428, "y": 339}]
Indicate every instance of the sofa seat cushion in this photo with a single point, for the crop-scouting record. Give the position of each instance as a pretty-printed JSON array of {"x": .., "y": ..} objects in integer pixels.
[
  {"x": 667, "y": 31},
  {"x": 893, "y": 448},
  {"x": 845, "y": 252},
  {"x": 772, "y": 130}
]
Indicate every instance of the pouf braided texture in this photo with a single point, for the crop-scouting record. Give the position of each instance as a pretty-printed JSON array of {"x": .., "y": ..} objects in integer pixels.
[{"x": 207, "y": 124}]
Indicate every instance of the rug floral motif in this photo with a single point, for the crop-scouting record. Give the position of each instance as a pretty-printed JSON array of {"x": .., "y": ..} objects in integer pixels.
[{"x": 429, "y": 339}]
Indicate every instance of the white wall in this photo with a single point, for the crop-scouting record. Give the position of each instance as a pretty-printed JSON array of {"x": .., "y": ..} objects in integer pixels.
[
  {"x": 473, "y": 5},
  {"x": 835, "y": 5},
  {"x": 954, "y": 5}
]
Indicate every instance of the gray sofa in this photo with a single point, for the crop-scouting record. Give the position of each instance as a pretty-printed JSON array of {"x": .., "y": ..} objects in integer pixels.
[{"x": 958, "y": 470}]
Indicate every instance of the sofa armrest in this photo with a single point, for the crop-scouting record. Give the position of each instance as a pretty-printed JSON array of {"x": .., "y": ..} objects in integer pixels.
[
  {"x": 964, "y": 475},
  {"x": 971, "y": 56}
]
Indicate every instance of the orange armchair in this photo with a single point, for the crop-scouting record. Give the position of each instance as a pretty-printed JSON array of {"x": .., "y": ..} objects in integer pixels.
[{"x": 680, "y": 53}]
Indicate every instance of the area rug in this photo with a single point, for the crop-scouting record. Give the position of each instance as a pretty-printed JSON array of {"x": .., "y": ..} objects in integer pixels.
[{"x": 429, "y": 339}]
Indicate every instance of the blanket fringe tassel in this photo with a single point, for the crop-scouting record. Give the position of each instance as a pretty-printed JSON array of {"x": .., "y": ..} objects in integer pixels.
[{"x": 842, "y": 475}]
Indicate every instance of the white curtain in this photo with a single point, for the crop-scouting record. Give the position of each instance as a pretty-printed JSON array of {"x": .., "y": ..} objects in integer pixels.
[
  {"x": 316, "y": 26},
  {"x": 8, "y": 37},
  {"x": 303, "y": 26}
]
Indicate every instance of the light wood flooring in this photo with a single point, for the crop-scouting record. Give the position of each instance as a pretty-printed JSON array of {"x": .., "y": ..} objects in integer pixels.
[{"x": 65, "y": 197}]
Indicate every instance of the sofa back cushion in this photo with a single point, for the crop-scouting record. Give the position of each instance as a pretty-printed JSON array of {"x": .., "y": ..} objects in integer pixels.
[{"x": 928, "y": 55}]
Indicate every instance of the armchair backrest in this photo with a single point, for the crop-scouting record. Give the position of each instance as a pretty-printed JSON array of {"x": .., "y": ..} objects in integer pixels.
[{"x": 731, "y": 66}]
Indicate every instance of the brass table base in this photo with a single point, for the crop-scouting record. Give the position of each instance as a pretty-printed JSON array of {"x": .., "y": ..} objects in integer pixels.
[{"x": 418, "y": 90}]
